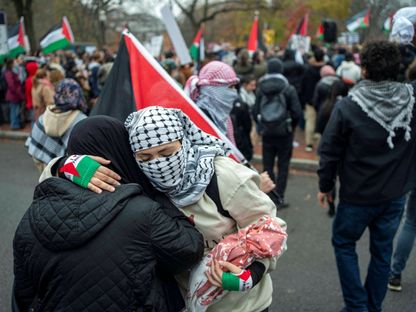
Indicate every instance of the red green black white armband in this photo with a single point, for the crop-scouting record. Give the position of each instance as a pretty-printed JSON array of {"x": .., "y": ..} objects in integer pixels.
[
  {"x": 234, "y": 282},
  {"x": 80, "y": 169}
]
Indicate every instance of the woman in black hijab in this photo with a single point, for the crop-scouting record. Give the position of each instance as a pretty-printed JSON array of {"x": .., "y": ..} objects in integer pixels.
[{"x": 101, "y": 252}]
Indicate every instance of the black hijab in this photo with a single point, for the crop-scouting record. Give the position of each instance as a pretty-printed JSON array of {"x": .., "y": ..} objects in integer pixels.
[{"x": 108, "y": 138}]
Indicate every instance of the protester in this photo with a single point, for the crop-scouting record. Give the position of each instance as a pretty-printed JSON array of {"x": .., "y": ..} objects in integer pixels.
[
  {"x": 243, "y": 66},
  {"x": 51, "y": 132},
  {"x": 211, "y": 92},
  {"x": 14, "y": 95},
  {"x": 31, "y": 69},
  {"x": 241, "y": 120},
  {"x": 42, "y": 92},
  {"x": 82, "y": 251},
  {"x": 216, "y": 192},
  {"x": 292, "y": 70},
  {"x": 310, "y": 79},
  {"x": 403, "y": 31},
  {"x": 260, "y": 65},
  {"x": 214, "y": 93},
  {"x": 407, "y": 235},
  {"x": 349, "y": 72},
  {"x": 247, "y": 94},
  {"x": 278, "y": 112},
  {"x": 370, "y": 143},
  {"x": 323, "y": 87}
]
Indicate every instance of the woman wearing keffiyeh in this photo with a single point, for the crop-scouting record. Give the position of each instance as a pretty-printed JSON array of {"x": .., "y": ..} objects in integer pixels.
[{"x": 181, "y": 160}]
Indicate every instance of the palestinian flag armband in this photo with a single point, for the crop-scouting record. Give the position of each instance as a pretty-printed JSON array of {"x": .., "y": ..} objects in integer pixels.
[
  {"x": 237, "y": 282},
  {"x": 80, "y": 169}
]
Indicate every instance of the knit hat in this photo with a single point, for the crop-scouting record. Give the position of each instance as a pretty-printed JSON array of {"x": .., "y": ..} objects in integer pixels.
[
  {"x": 327, "y": 70},
  {"x": 214, "y": 73},
  {"x": 403, "y": 25},
  {"x": 68, "y": 96},
  {"x": 274, "y": 66}
]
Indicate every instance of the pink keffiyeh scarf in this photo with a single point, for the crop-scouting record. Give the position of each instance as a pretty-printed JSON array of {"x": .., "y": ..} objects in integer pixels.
[{"x": 264, "y": 239}]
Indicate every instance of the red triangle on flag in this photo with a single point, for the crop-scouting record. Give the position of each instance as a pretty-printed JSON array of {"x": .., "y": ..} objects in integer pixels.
[
  {"x": 253, "y": 41},
  {"x": 21, "y": 34},
  {"x": 245, "y": 275},
  {"x": 66, "y": 30},
  {"x": 70, "y": 168}
]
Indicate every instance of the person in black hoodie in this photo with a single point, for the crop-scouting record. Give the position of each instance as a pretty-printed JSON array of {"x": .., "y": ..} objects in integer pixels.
[
  {"x": 75, "y": 250},
  {"x": 310, "y": 79},
  {"x": 277, "y": 110},
  {"x": 370, "y": 142}
]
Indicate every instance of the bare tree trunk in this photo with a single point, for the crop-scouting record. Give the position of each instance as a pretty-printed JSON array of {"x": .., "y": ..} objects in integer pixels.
[{"x": 24, "y": 8}]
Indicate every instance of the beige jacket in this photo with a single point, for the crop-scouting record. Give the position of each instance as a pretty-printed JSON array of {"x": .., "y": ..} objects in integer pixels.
[{"x": 246, "y": 203}]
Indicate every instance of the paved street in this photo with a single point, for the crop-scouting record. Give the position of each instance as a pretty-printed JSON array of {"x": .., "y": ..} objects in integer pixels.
[{"x": 306, "y": 278}]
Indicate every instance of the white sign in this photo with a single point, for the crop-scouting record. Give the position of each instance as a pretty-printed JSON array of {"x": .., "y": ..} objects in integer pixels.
[
  {"x": 3, "y": 34},
  {"x": 300, "y": 43},
  {"x": 175, "y": 35},
  {"x": 154, "y": 46}
]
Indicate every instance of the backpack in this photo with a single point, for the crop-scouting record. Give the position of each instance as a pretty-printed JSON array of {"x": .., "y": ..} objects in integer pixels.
[{"x": 273, "y": 115}]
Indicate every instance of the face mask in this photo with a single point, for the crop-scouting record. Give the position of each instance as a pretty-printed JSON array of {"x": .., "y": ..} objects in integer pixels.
[{"x": 165, "y": 173}]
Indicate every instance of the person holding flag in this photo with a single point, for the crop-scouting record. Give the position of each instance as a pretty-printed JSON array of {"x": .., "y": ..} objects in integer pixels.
[{"x": 219, "y": 195}]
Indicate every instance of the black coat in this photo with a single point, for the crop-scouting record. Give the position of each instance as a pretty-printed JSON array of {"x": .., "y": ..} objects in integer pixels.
[
  {"x": 309, "y": 81},
  {"x": 356, "y": 146},
  {"x": 241, "y": 118},
  {"x": 75, "y": 250},
  {"x": 294, "y": 71}
]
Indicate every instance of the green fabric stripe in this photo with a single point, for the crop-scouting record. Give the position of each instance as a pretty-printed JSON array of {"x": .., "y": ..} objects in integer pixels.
[
  {"x": 16, "y": 51},
  {"x": 57, "y": 45},
  {"x": 86, "y": 169},
  {"x": 194, "y": 52},
  {"x": 230, "y": 282}
]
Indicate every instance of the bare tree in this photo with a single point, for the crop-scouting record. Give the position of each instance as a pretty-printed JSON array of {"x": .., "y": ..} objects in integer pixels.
[
  {"x": 201, "y": 11},
  {"x": 24, "y": 8},
  {"x": 100, "y": 9},
  {"x": 379, "y": 12}
]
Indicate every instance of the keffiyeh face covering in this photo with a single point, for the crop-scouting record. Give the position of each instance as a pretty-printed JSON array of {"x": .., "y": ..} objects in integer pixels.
[{"x": 185, "y": 175}]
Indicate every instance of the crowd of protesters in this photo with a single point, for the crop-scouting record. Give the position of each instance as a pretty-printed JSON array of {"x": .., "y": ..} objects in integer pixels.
[{"x": 355, "y": 106}]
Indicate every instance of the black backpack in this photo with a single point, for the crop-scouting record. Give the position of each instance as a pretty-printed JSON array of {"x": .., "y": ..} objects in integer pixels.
[{"x": 273, "y": 115}]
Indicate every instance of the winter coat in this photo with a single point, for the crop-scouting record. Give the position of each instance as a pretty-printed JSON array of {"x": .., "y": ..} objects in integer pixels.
[
  {"x": 355, "y": 146},
  {"x": 323, "y": 90},
  {"x": 42, "y": 96},
  {"x": 15, "y": 93},
  {"x": 293, "y": 71},
  {"x": 31, "y": 68},
  {"x": 241, "y": 119},
  {"x": 246, "y": 203},
  {"x": 309, "y": 81},
  {"x": 273, "y": 84},
  {"x": 349, "y": 72},
  {"x": 75, "y": 250}
]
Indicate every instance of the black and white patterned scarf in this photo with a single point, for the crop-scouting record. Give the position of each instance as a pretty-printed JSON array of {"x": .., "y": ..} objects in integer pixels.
[
  {"x": 185, "y": 175},
  {"x": 388, "y": 103}
]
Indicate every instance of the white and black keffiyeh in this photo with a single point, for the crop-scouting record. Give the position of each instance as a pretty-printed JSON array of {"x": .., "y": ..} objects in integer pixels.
[
  {"x": 185, "y": 175},
  {"x": 388, "y": 103}
]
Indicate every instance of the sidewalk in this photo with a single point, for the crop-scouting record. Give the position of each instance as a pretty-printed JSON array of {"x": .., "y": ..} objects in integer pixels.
[{"x": 301, "y": 160}]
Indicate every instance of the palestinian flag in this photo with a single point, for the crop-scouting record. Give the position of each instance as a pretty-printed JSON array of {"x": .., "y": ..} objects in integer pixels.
[
  {"x": 320, "y": 32},
  {"x": 359, "y": 21},
  {"x": 302, "y": 28},
  {"x": 58, "y": 38},
  {"x": 197, "y": 50},
  {"x": 253, "y": 41},
  {"x": 16, "y": 41},
  {"x": 388, "y": 24},
  {"x": 137, "y": 81}
]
